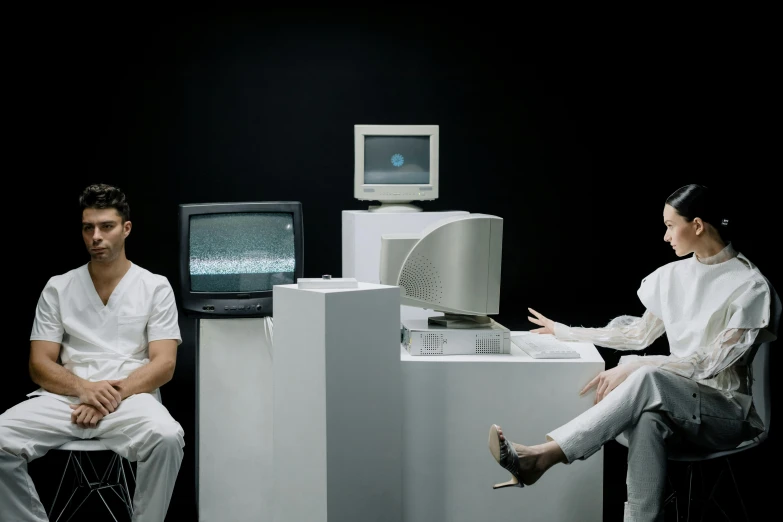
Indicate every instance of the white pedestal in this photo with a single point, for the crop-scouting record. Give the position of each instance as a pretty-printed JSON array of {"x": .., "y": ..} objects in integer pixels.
[
  {"x": 449, "y": 404},
  {"x": 361, "y": 239},
  {"x": 337, "y": 404},
  {"x": 234, "y": 420}
]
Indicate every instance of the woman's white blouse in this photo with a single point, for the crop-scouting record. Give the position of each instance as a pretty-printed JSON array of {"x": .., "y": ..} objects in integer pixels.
[{"x": 713, "y": 311}]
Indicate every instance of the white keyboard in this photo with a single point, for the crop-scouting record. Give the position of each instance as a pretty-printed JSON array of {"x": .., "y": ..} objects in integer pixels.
[{"x": 540, "y": 346}]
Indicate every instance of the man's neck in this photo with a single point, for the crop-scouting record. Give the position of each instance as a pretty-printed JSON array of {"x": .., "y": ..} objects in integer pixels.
[{"x": 112, "y": 271}]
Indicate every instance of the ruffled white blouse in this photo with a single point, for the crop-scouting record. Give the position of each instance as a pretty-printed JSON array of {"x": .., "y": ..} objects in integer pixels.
[{"x": 713, "y": 311}]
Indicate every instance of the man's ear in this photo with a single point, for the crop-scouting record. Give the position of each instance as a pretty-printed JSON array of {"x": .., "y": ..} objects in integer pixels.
[{"x": 126, "y": 228}]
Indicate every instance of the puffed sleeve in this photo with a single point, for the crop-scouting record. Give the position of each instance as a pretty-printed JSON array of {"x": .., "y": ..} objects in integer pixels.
[
  {"x": 752, "y": 308},
  {"x": 48, "y": 325},
  {"x": 649, "y": 292}
]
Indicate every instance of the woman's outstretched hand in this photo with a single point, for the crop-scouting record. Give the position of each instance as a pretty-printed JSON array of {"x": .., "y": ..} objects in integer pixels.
[{"x": 547, "y": 325}]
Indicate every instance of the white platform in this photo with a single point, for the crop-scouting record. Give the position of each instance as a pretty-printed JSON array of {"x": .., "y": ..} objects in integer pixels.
[
  {"x": 361, "y": 244},
  {"x": 364, "y": 431},
  {"x": 449, "y": 404},
  {"x": 234, "y": 420},
  {"x": 337, "y": 404}
]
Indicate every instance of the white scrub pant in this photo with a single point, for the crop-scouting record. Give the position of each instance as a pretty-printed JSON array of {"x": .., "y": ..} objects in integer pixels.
[
  {"x": 655, "y": 409},
  {"x": 141, "y": 430}
]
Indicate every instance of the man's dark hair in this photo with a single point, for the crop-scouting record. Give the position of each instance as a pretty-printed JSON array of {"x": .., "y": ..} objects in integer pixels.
[{"x": 105, "y": 196}]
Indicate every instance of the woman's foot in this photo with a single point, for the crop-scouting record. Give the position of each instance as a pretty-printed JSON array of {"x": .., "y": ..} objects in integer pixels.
[
  {"x": 506, "y": 456},
  {"x": 525, "y": 463}
]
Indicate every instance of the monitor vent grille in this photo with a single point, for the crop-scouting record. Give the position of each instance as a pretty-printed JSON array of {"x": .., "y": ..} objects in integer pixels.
[
  {"x": 421, "y": 280},
  {"x": 489, "y": 345},
  {"x": 432, "y": 344}
]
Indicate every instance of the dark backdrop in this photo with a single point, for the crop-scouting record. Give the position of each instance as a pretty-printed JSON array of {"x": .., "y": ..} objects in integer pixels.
[{"x": 574, "y": 139}]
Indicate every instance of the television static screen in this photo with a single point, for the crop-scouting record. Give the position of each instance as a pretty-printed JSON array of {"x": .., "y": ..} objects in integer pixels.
[{"x": 241, "y": 252}]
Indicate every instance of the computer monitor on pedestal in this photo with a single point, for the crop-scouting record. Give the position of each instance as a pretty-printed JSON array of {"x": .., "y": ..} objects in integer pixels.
[{"x": 396, "y": 165}]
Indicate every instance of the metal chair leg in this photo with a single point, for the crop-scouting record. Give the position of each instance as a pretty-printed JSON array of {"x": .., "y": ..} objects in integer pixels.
[
  {"x": 65, "y": 470},
  {"x": 690, "y": 491},
  {"x": 82, "y": 479},
  {"x": 98, "y": 491},
  {"x": 114, "y": 469},
  {"x": 672, "y": 498},
  {"x": 699, "y": 502},
  {"x": 712, "y": 499},
  {"x": 126, "y": 490},
  {"x": 736, "y": 488}
]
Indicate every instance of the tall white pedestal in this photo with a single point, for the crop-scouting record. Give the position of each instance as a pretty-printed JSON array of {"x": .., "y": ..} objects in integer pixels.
[
  {"x": 337, "y": 404},
  {"x": 234, "y": 420},
  {"x": 449, "y": 403},
  {"x": 361, "y": 238}
]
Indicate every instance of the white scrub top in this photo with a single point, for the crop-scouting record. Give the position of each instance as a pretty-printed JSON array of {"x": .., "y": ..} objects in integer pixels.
[{"x": 102, "y": 342}]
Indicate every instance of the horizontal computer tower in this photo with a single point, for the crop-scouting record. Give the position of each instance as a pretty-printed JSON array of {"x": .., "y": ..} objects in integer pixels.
[{"x": 421, "y": 338}]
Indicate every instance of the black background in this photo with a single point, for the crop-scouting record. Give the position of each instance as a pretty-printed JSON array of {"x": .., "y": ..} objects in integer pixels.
[{"x": 574, "y": 134}]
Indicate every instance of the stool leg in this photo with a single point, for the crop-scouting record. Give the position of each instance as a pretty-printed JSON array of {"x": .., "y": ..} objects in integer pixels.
[
  {"x": 113, "y": 481},
  {"x": 57, "y": 493},
  {"x": 82, "y": 477},
  {"x": 672, "y": 498},
  {"x": 736, "y": 488},
  {"x": 117, "y": 479},
  {"x": 126, "y": 489},
  {"x": 82, "y": 480},
  {"x": 712, "y": 497},
  {"x": 94, "y": 471},
  {"x": 107, "y": 505}
]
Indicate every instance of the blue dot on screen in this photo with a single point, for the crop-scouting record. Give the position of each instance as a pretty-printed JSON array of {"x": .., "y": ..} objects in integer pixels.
[{"x": 397, "y": 160}]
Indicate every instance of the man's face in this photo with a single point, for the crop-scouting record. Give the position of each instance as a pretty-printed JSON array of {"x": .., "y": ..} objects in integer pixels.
[{"x": 104, "y": 233}]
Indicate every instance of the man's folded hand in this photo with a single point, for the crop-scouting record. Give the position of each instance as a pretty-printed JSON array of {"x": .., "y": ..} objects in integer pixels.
[{"x": 85, "y": 415}]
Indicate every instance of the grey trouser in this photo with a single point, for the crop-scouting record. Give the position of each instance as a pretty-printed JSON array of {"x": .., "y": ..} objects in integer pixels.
[{"x": 654, "y": 409}]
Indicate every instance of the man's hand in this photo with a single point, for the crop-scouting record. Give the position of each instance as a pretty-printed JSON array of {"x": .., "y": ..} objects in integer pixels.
[
  {"x": 85, "y": 415},
  {"x": 101, "y": 395},
  {"x": 608, "y": 380},
  {"x": 117, "y": 384},
  {"x": 548, "y": 325}
]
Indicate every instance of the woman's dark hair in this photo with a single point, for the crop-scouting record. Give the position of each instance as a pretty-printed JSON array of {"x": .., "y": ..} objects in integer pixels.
[
  {"x": 105, "y": 196},
  {"x": 697, "y": 201}
]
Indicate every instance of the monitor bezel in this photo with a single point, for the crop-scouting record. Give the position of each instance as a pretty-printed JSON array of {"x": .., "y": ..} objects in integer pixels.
[
  {"x": 226, "y": 304},
  {"x": 396, "y": 192}
]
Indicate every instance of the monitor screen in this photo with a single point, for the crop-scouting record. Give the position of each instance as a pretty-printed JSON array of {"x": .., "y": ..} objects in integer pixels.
[
  {"x": 241, "y": 252},
  {"x": 396, "y": 160},
  {"x": 396, "y": 165},
  {"x": 232, "y": 255}
]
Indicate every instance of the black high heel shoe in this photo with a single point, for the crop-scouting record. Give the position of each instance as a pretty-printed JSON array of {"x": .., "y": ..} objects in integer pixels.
[{"x": 506, "y": 456}]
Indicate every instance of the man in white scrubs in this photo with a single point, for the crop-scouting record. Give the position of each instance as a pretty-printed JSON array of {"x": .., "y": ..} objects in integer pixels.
[{"x": 104, "y": 339}]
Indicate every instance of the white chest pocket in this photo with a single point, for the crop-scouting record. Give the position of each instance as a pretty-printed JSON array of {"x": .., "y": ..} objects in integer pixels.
[{"x": 131, "y": 333}]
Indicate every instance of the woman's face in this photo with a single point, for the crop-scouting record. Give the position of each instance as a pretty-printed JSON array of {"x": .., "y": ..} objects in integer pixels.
[{"x": 680, "y": 234}]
